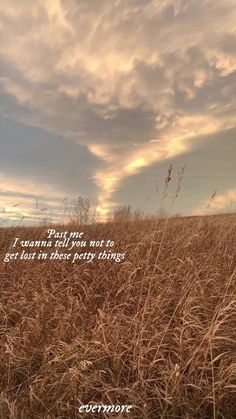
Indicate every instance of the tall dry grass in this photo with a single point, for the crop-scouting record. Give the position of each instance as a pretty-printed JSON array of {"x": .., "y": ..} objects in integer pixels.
[{"x": 157, "y": 331}]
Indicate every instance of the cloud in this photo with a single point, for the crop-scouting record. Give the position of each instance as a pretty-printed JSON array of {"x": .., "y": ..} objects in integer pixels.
[
  {"x": 135, "y": 82},
  {"x": 218, "y": 203},
  {"x": 16, "y": 204}
]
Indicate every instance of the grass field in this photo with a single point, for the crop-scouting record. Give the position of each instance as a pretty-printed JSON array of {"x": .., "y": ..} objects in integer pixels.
[{"x": 157, "y": 330}]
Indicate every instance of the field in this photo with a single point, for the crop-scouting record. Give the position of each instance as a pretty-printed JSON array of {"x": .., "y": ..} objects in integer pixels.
[{"x": 157, "y": 330}]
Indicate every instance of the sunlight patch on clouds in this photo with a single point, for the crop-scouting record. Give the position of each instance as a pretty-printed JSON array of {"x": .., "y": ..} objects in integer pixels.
[
  {"x": 102, "y": 151},
  {"x": 56, "y": 12},
  {"x": 169, "y": 147},
  {"x": 136, "y": 164}
]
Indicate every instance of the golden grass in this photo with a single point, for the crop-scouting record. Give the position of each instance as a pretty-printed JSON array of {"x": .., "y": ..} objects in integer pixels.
[{"x": 157, "y": 331}]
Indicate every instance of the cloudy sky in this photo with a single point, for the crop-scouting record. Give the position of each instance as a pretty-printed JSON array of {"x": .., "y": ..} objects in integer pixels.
[{"x": 99, "y": 97}]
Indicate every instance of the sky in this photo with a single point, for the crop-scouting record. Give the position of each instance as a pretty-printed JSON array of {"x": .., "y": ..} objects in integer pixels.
[{"x": 98, "y": 98}]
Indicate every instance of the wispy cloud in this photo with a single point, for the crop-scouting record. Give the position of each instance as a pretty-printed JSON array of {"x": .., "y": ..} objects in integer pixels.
[{"x": 219, "y": 203}]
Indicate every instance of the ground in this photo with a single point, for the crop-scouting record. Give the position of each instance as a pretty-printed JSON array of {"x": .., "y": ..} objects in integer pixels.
[{"x": 156, "y": 330}]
